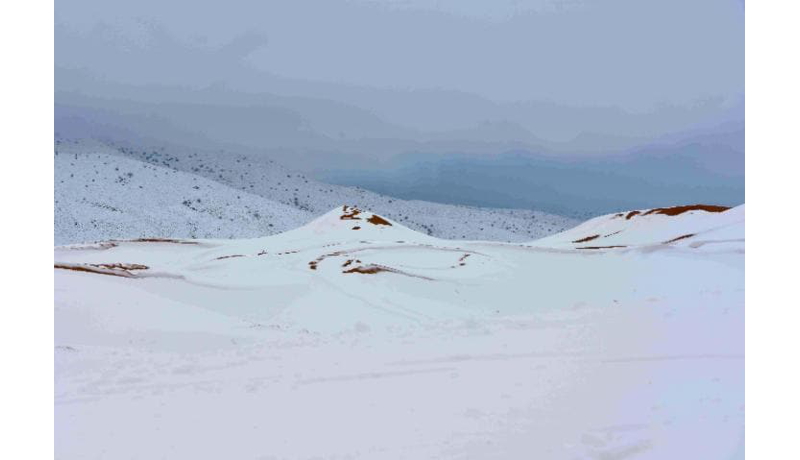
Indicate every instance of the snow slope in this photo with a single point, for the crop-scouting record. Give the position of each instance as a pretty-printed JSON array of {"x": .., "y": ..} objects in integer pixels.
[
  {"x": 354, "y": 336},
  {"x": 693, "y": 225},
  {"x": 100, "y": 196},
  {"x": 257, "y": 177}
]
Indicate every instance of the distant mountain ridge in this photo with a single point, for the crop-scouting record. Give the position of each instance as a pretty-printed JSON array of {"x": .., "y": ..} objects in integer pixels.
[
  {"x": 702, "y": 168},
  {"x": 105, "y": 191}
]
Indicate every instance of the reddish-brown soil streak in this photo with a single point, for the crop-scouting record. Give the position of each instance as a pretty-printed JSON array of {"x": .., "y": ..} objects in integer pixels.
[
  {"x": 631, "y": 214},
  {"x": 601, "y": 247},
  {"x": 122, "y": 266},
  {"x": 378, "y": 220},
  {"x": 229, "y": 257},
  {"x": 676, "y": 210},
  {"x": 682, "y": 237},
  {"x": 588, "y": 238},
  {"x": 161, "y": 240},
  {"x": 372, "y": 269},
  {"x": 368, "y": 270},
  {"x": 351, "y": 214},
  {"x": 313, "y": 264},
  {"x": 103, "y": 269}
]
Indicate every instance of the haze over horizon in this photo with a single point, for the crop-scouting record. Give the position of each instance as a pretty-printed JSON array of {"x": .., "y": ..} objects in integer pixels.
[{"x": 340, "y": 89}]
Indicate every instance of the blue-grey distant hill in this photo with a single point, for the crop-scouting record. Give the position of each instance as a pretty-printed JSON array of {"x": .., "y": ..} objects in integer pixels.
[{"x": 703, "y": 169}]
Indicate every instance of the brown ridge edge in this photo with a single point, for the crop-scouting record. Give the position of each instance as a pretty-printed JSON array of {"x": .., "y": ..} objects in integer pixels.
[
  {"x": 588, "y": 238},
  {"x": 601, "y": 247},
  {"x": 100, "y": 269},
  {"x": 378, "y": 220},
  {"x": 682, "y": 237},
  {"x": 676, "y": 210}
]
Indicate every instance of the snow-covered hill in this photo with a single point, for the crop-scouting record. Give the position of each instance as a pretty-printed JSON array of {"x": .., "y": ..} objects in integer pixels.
[
  {"x": 240, "y": 196},
  {"x": 427, "y": 348},
  {"x": 692, "y": 225},
  {"x": 100, "y": 196}
]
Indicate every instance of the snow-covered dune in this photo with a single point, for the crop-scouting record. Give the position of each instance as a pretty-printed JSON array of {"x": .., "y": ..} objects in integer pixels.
[
  {"x": 692, "y": 225},
  {"x": 427, "y": 348}
]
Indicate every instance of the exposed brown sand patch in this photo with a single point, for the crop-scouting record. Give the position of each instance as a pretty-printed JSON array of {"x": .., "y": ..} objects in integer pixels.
[
  {"x": 349, "y": 213},
  {"x": 372, "y": 269},
  {"x": 676, "y": 210},
  {"x": 313, "y": 264},
  {"x": 588, "y": 238},
  {"x": 103, "y": 269},
  {"x": 122, "y": 266},
  {"x": 161, "y": 240},
  {"x": 229, "y": 257},
  {"x": 601, "y": 247},
  {"x": 631, "y": 214},
  {"x": 378, "y": 220},
  {"x": 368, "y": 270},
  {"x": 682, "y": 237}
]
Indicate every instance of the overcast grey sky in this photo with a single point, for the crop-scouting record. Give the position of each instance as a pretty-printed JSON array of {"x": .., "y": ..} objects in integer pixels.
[
  {"x": 323, "y": 85},
  {"x": 633, "y": 54}
]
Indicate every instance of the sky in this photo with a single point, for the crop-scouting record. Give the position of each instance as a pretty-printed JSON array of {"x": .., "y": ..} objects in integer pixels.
[
  {"x": 636, "y": 55},
  {"x": 321, "y": 83}
]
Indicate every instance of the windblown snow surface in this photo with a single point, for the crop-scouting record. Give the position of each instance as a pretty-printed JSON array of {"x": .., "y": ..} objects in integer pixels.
[{"x": 356, "y": 337}]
